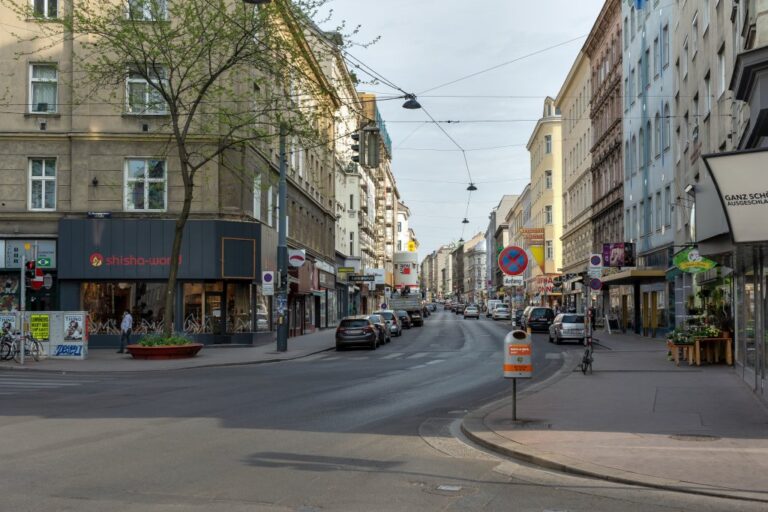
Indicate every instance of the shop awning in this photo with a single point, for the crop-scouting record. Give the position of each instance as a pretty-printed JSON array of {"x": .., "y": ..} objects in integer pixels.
[{"x": 635, "y": 276}]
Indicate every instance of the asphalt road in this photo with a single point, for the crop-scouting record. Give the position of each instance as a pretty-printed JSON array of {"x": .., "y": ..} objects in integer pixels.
[{"x": 355, "y": 430}]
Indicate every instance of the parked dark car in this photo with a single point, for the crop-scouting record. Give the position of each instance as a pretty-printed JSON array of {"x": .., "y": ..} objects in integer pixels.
[
  {"x": 539, "y": 319},
  {"x": 518, "y": 316},
  {"x": 459, "y": 308},
  {"x": 417, "y": 318},
  {"x": 383, "y": 327},
  {"x": 405, "y": 320},
  {"x": 357, "y": 331}
]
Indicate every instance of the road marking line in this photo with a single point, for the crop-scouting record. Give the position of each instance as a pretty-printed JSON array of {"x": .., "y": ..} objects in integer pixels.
[
  {"x": 418, "y": 366},
  {"x": 394, "y": 355},
  {"x": 556, "y": 355},
  {"x": 331, "y": 358},
  {"x": 436, "y": 361},
  {"x": 418, "y": 355}
]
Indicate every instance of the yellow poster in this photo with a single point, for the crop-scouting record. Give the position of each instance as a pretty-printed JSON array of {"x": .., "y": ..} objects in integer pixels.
[
  {"x": 537, "y": 251},
  {"x": 39, "y": 326}
]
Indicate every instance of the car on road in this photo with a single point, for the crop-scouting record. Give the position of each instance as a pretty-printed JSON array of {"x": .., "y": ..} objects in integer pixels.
[
  {"x": 518, "y": 315},
  {"x": 382, "y": 326},
  {"x": 502, "y": 312},
  {"x": 538, "y": 319},
  {"x": 395, "y": 328},
  {"x": 459, "y": 308},
  {"x": 491, "y": 305},
  {"x": 404, "y": 318},
  {"x": 472, "y": 312},
  {"x": 432, "y": 307},
  {"x": 417, "y": 319},
  {"x": 357, "y": 331},
  {"x": 567, "y": 326}
]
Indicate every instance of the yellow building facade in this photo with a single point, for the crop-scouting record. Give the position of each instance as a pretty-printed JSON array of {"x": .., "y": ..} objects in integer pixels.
[{"x": 546, "y": 223}]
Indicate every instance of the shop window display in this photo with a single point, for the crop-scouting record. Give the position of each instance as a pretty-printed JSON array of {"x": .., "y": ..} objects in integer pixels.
[
  {"x": 9, "y": 291},
  {"x": 106, "y": 302}
]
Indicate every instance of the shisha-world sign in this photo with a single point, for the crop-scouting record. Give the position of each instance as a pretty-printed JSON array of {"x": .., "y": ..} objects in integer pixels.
[{"x": 741, "y": 180}]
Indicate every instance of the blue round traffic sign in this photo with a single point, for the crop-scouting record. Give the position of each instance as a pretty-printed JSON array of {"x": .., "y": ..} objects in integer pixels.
[
  {"x": 596, "y": 285},
  {"x": 513, "y": 261}
]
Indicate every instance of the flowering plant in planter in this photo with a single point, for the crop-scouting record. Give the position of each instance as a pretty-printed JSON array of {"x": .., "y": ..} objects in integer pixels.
[
  {"x": 680, "y": 336},
  {"x": 158, "y": 340}
]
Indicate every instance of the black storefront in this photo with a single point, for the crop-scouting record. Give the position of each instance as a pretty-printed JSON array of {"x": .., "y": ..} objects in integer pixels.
[{"x": 108, "y": 266}]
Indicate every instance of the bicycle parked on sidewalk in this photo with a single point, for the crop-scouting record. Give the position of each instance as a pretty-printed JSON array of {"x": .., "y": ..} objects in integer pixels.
[{"x": 11, "y": 346}]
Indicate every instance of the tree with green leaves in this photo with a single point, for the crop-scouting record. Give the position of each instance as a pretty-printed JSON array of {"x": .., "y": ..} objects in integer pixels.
[{"x": 219, "y": 76}]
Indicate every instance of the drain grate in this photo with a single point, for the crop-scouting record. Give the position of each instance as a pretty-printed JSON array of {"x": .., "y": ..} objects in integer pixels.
[{"x": 694, "y": 437}]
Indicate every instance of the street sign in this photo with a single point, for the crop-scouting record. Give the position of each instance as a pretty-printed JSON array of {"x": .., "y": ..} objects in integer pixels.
[
  {"x": 268, "y": 283},
  {"x": 596, "y": 285},
  {"x": 37, "y": 282},
  {"x": 513, "y": 261},
  {"x": 511, "y": 281},
  {"x": 297, "y": 257},
  {"x": 411, "y": 246},
  {"x": 47, "y": 281},
  {"x": 596, "y": 261},
  {"x": 348, "y": 270},
  {"x": 357, "y": 278},
  {"x": 595, "y": 272}
]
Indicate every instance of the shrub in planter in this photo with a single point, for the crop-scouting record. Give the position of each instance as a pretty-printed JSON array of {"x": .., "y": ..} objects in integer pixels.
[
  {"x": 164, "y": 347},
  {"x": 158, "y": 340}
]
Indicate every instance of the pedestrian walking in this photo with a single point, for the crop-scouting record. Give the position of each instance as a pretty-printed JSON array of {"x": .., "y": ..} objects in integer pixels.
[{"x": 126, "y": 326}]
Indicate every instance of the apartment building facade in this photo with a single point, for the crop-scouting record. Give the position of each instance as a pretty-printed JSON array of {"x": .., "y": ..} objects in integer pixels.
[{"x": 573, "y": 100}]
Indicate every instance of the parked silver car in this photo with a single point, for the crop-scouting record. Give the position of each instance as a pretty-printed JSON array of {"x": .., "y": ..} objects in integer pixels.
[
  {"x": 567, "y": 326},
  {"x": 502, "y": 312},
  {"x": 472, "y": 312}
]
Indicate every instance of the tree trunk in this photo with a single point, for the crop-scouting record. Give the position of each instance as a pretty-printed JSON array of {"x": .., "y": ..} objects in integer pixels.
[{"x": 178, "y": 235}]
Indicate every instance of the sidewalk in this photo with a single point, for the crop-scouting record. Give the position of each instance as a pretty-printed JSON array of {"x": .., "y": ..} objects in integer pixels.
[
  {"x": 638, "y": 420},
  {"x": 108, "y": 360}
]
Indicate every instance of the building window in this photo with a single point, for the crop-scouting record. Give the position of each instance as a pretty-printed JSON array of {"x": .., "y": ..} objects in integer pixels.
[
  {"x": 145, "y": 185},
  {"x": 665, "y": 46},
  {"x": 667, "y": 206},
  {"x": 548, "y": 144},
  {"x": 631, "y": 98},
  {"x": 399, "y": 245},
  {"x": 44, "y": 86},
  {"x": 656, "y": 58},
  {"x": 42, "y": 184},
  {"x": 399, "y": 227},
  {"x": 548, "y": 179},
  {"x": 657, "y": 134},
  {"x": 633, "y": 155},
  {"x": 147, "y": 10},
  {"x": 257, "y": 197},
  {"x": 659, "y": 220},
  {"x": 721, "y": 71},
  {"x": 143, "y": 96},
  {"x": 684, "y": 58},
  {"x": 707, "y": 95},
  {"x": 45, "y": 8},
  {"x": 694, "y": 35},
  {"x": 352, "y": 243},
  {"x": 641, "y": 151},
  {"x": 548, "y": 214},
  {"x": 270, "y": 206},
  {"x": 667, "y": 134},
  {"x": 549, "y": 249}
]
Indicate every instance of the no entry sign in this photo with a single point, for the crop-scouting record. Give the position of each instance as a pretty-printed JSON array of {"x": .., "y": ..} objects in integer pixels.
[{"x": 513, "y": 261}]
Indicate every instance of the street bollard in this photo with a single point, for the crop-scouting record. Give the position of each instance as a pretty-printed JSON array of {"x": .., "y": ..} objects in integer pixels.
[{"x": 518, "y": 361}]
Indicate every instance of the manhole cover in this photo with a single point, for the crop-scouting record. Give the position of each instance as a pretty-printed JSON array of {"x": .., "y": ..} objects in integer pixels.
[{"x": 694, "y": 437}]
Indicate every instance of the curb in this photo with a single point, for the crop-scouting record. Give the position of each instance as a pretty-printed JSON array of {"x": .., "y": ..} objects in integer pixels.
[
  {"x": 113, "y": 372},
  {"x": 473, "y": 426}
]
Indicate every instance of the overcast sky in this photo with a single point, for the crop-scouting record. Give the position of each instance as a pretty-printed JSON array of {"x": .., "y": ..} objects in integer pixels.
[{"x": 425, "y": 43}]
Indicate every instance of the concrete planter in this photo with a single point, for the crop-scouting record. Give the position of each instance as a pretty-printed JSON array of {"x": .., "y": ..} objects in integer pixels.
[{"x": 167, "y": 352}]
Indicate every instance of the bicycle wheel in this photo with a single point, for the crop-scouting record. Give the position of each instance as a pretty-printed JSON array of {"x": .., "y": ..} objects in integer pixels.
[
  {"x": 35, "y": 349},
  {"x": 5, "y": 350}
]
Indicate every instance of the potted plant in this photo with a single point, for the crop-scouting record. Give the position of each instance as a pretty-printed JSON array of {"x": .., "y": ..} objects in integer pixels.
[{"x": 157, "y": 346}]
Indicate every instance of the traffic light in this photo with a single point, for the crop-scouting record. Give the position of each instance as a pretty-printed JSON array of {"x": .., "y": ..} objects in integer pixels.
[
  {"x": 359, "y": 147},
  {"x": 29, "y": 269}
]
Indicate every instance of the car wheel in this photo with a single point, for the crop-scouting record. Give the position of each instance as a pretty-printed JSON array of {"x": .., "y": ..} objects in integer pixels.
[
  {"x": 558, "y": 340},
  {"x": 549, "y": 338},
  {"x": 339, "y": 348},
  {"x": 374, "y": 344}
]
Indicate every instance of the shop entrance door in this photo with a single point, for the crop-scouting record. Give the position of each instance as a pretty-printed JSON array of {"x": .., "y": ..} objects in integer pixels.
[
  {"x": 654, "y": 313},
  {"x": 214, "y": 311},
  {"x": 645, "y": 314}
]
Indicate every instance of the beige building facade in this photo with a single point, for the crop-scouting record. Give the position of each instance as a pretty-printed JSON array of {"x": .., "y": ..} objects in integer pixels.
[
  {"x": 573, "y": 100},
  {"x": 545, "y": 148}
]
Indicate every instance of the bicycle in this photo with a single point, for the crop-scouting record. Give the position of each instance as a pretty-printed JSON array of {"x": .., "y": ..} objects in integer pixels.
[
  {"x": 11, "y": 347},
  {"x": 6, "y": 347}
]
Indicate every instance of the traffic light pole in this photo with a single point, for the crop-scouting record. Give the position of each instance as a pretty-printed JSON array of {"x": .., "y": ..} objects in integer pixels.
[
  {"x": 22, "y": 304},
  {"x": 282, "y": 249}
]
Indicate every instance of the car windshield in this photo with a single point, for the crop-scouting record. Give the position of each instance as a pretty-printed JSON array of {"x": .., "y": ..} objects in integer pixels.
[
  {"x": 387, "y": 315},
  {"x": 573, "y": 319},
  {"x": 375, "y": 319},
  {"x": 402, "y": 313},
  {"x": 354, "y": 324},
  {"x": 502, "y": 308},
  {"x": 471, "y": 308}
]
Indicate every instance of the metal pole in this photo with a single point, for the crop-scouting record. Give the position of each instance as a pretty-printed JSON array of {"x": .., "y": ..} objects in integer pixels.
[
  {"x": 514, "y": 399},
  {"x": 23, "y": 286},
  {"x": 282, "y": 248}
]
